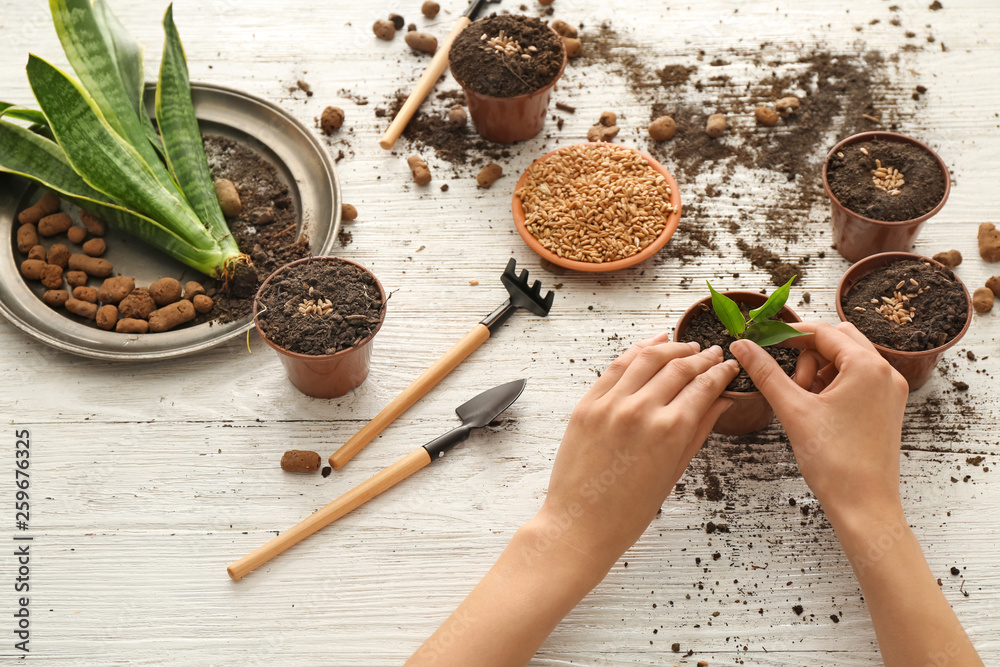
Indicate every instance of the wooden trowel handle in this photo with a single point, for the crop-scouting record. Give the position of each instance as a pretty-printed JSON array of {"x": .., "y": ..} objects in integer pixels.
[{"x": 409, "y": 396}]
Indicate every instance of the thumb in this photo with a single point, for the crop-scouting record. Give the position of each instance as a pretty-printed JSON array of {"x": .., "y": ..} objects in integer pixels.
[{"x": 779, "y": 389}]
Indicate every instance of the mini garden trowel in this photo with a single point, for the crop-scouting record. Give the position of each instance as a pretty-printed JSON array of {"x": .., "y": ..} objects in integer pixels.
[
  {"x": 521, "y": 296},
  {"x": 474, "y": 414}
]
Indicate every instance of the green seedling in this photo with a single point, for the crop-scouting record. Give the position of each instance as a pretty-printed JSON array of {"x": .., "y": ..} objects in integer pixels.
[{"x": 758, "y": 327}]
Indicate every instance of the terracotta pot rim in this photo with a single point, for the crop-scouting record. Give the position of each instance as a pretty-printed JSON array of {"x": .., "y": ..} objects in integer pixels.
[
  {"x": 891, "y": 136},
  {"x": 896, "y": 256},
  {"x": 299, "y": 355},
  {"x": 469, "y": 89},
  {"x": 735, "y": 296},
  {"x": 517, "y": 209}
]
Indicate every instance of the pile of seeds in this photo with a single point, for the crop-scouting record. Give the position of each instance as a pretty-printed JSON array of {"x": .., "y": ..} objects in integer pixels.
[
  {"x": 595, "y": 202},
  {"x": 507, "y": 45},
  {"x": 320, "y": 307},
  {"x": 897, "y": 308},
  {"x": 887, "y": 179}
]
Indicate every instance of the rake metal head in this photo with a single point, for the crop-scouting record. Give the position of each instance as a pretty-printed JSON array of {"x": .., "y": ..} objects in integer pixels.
[
  {"x": 522, "y": 296},
  {"x": 477, "y": 5}
]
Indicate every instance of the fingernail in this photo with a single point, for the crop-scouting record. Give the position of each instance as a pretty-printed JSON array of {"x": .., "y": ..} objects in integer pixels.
[
  {"x": 732, "y": 363},
  {"x": 716, "y": 350},
  {"x": 738, "y": 346},
  {"x": 695, "y": 345},
  {"x": 659, "y": 338}
]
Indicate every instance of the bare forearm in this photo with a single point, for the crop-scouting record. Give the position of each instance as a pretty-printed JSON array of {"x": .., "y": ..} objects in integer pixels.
[
  {"x": 508, "y": 615},
  {"x": 913, "y": 621}
]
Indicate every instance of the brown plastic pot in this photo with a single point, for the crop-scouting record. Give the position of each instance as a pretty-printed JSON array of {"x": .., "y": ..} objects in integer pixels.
[
  {"x": 916, "y": 367},
  {"x": 506, "y": 120},
  {"x": 856, "y": 236},
  {"x": 324, "y": 375},
  {"x": 750, "y": 411}
]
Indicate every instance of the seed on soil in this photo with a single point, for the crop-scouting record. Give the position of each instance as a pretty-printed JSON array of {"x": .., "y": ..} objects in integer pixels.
[
  {"x": 229, "y": 198},
  {"x": 994, "y": 284},
  {"x": 384, "y": 29},
  {"x": 93, "y": 247},
  {"x": 662, "y": 128},
  {"x": 457, "y": 116},
  {"x": 397, "y": 21},
  {"x": 27, "y": 237},
  {"x": 766, "y": 116},
  {"x": 982, "y": 299},
  {"x": 192, "y": 288},
  {"x": 95, "y": 226},
  {"x": 202, "y": 303},
  {"x": 348, "y": 213},
  {"x": 298, "y": 460},
  {"x": 317, "y": 307},
  {"x": 601, "y": 132},
  {"x": 59, "y": 255},
  {"x": 107, "y": 317},
  {"x": 421, "y": 41},
  {"x": 55, "y": 297},
  {"x": 77, "y": 278},
  {"x": 137, "y": 305},
  {"x": 430, "y": 9},
  {"x": 989, "y": 242},
  {"x": 716, "y": 125},
  {"x": 562, "y": 28},
  {"x": 76, "y": 234},
  {"x": 595, "y": 203},
  {"x": 84, "y": 293},
  {"x": 128, "y": 325},
  {"x": 165, "y": 291},
  {"x": 113, "y": 290},
  {"x": 950, "y": 258},
  {"x": 54, "y": 224},
  {"x": 92, "y": 266},
  {"x": 168, "y": 317},
  {"x": 331, "y": 120},
  {"x": 52, "y": 276},
  {"x": 489, "y": 174},
  {"x": 37, "y": 252},
  {"x": 47, "y": 205},
  {"x": 574, "y": 47},
  {"x": 786, "y": 106},
  {"x": 421, "y": 172},
  {"x": 859, "y": 309},
  {"x": 887, "y": 179},
  {"x": 863, "y": 150},
  {"x": 82, "y": 308}
]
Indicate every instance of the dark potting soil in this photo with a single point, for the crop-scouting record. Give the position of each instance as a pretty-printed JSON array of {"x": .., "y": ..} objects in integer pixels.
[
  {"x": 355, "y": 315},
  {"x": 266, "y": 229},
  {"x": 707, "y": 330},
  {"x": 490, "y": 71},
  {"x": 941, "y": 310},
  {"x": 851, "y": 182}
]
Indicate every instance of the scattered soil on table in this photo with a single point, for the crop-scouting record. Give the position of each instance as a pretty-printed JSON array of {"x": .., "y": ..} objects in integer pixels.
[
  {"x": 488, "y": 70},
  {"x": 941, "y": 311},
  {"x": 269, "y": 245},
  {"x": 851, "y": 180},
  {"x": 707, "y": 330},
  {"x": 355, "y": 315},
  {"x": 780, "y": 272}
]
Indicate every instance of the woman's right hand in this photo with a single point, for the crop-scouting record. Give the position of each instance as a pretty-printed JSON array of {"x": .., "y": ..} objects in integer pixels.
[{"x": 845, "y": 431}]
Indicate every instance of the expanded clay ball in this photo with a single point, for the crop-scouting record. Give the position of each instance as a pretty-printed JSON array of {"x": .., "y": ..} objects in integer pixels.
[
  {"x": 92, "y": 266},
  {"x": 192, "y": 288},
  {"x": 457, "y": 116},
  {"x": 419, "y": 169},
  {"x": 430, "y": 9},
  {"x": 113, "y": 290},
  {"x": 950, "y": 258},
  {"x": 31, "y": 269},
  {"x": 608, "y": 119},
  {"x": 93, "y": 247},
  {"x": 766, "y": 116},
  {"x": 229, "y": 198},
  {"x": 55, "y": 297},
  {"x": 348, "y": 212},
  {"x": 95, "y": 226},
  {"x": 137, "y": 305},
  {"x": 545, "y": 3},
  {"x": 331, "y": 120},
  {"x": 384, "y": 29},
  {"x": 82, "y": 308},
  {"x": 57, "y": 223},
  {"x": 573, "y": 46},
  {"x": 786, "y": 106},
  {"x": 202, "y": 303},
  {"x": 168, "y": 317},
  {"x": 989, "y": 242},
  {"x": 47, "y": 205},
  {"x": 299, "y": 460},
  {"x": 562, "y": 28},
  {"x": 662, "y": 128},
  {"x": 602, "y": 133},
  {"x": 994, "y": 284},
  {"x": 489, "y": 174},
  {"x": 132, "y": 326},
  {"x": 84, "y": 293},
  {"x": 27, "y": 237},
  {"x": 716, "y": 125},
  {"x": 37, "y": 252},
  {"x": 107, "y": 317},
  {"x": 421, "y": 41},
  {"x": 77, "y": 278},
  {"x": 982, "y": 299},
  {"x": 76, "y": 234},
  {"x": 59, "y": 255},
  {"x": 397, "y": 21},
  {"x": 165, "y": 291},
  {"x": 52, "y": 276}
]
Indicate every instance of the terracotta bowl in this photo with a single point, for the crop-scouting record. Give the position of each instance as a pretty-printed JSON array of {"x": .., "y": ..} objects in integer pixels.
[{"x": 602, "y": 267}]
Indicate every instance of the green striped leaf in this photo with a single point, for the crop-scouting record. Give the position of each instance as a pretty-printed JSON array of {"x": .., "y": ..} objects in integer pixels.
[
  {"x": 774, "y": 302},
  {"x": 105, "y": 160},
  {"x": 728, "y": 312},
  {"x": 772, "y": 332},
  {"x": 182, "y": 137},
  {"x": 21, "y": 113}
]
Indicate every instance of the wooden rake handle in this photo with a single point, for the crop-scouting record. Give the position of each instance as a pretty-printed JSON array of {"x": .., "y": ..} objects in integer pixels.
[
  {"x": 430, "y": 377},
  {"x": 354, "y": 498},
  {"x": 423, "y": 87}
]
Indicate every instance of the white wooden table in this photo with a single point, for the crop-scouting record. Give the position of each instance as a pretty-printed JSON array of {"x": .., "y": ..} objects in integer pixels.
[{"x": 148, "y": 479}]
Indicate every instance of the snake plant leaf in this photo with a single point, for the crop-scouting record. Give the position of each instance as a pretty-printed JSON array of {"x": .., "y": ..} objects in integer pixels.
[
  {"x": 182, "y": 140},
  {"x": 104, "y": 159},
  {"x": 774, "y": 303},
  {"x": 728, "y": 312},
  {"x": 771, "y": 332},
  {"x": 24, "y": 153},
  {"x": 94, "y": 63},
  {"x": 21, "y": 113}
]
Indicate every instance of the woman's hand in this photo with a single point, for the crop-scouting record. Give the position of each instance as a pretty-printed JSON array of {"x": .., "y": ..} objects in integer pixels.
[{"x": 628, "y": 442}]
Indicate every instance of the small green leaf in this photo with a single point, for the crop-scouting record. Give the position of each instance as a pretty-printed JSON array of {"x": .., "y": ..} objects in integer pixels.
[
  {"x": 21, "y": 113},
  {"x": 728, "y": 312},
  {"x": 771, "y": 332},
  {"x": 773, "y": 304}
]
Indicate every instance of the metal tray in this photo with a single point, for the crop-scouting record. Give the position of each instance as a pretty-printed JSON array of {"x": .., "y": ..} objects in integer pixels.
[{"x": 301, "y": 162}]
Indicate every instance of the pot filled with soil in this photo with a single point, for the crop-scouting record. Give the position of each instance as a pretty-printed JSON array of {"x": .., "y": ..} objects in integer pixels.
[
  {"x": 910, "y": 307},
  {"x": 750, "y": 411},
  {"x": 882, "y": 186},
  {"x": 320, "y": 314},
  {"x": 507, "y": 65}
]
